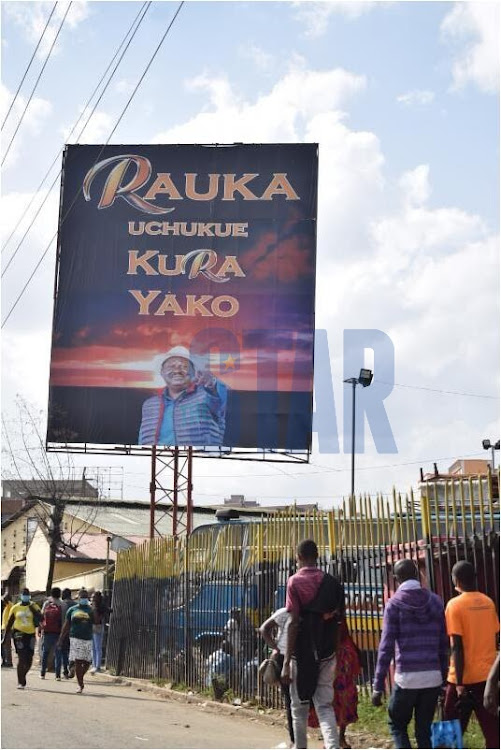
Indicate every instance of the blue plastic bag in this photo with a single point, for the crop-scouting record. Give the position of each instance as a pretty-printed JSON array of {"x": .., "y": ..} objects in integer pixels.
[{"x": 446, "y": 734}]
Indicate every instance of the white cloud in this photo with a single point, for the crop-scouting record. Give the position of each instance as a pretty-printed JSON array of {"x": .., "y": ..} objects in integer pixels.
[
  {"x": 417, "y": 97},
  {"x": 262, "y": 60},
  {"x": 415, "y": 185},
  {"x": 124, "y": 86},
  {"x": 36, "y": 116},
  {"x": 473, "y": 29},
  {"x": 280, "y": 114},
  {"x": 31, "y": 17},
  {"x": 315, "y": 16},
  {"x": 97, "y": 131}
]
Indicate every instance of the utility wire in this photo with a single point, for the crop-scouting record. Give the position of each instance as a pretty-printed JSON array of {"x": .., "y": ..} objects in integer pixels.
[
  {"x": 13, "y": 307},
  {"x": 437, "y": 390},
  {"x": 146, "y": 69},
  {"x": 144, "y": 7},
  {"x": 36, "y": 82},
  {"x": 324, "y": 469},
  {"x": 29, "y": 65}
]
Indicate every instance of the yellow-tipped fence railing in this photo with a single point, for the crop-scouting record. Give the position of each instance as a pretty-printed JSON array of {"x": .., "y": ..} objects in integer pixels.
[{"x": 174, "y": 601}]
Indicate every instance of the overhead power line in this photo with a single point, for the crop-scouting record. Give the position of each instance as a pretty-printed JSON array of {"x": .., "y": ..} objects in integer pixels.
[
  {"x": 36, "y": 83},
  {"x": 40, "y": 260},
  {"x": 138, "y": 20},
  {"x": 437, "y": 390},
  {"x": 29, "y": 64}
]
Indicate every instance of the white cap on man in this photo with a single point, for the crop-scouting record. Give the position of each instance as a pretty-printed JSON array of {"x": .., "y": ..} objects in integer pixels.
[{"x": 179, "y": 351}]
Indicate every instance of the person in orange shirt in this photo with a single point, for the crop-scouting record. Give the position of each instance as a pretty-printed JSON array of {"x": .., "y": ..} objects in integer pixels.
[{"x": 473, "y": 627}]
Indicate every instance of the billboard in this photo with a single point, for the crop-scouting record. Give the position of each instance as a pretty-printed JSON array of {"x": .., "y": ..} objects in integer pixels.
[{"x": 185, "y": 291}]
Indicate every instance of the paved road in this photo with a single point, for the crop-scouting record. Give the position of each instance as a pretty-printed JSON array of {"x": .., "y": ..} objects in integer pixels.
[{"x": 50, "y": 714}]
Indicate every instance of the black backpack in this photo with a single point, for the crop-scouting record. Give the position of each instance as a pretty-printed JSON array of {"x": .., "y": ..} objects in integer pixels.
[{"x": 317, "y": 633}]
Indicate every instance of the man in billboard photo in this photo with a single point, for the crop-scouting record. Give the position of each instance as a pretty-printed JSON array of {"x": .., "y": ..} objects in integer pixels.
[{"x": 191, "y": 409}]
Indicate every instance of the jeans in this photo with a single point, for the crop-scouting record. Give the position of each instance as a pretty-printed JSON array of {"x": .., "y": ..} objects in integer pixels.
[
  {"x": 97, "y": 649},
  {"x": 474, "y": 702},
  {"x": 403, "y": 703},
  {"x": 50, "y": 642},
  {"x": 322, "y": 700}
]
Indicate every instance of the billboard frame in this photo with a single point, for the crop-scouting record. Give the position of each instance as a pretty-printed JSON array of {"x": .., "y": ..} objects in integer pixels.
[{"x": 270, "y": 455}]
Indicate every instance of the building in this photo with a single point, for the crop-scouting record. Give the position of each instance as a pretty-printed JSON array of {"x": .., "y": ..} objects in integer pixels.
[
  {"x": 469, "y": 467},
  {"x": 17, "y": 493},
  {"x": 86, "y": 527}
]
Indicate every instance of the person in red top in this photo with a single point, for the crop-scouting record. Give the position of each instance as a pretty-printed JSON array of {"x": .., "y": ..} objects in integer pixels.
[
  {"x": 473, "y": 627},
  {"x": 313, "y": 598}
]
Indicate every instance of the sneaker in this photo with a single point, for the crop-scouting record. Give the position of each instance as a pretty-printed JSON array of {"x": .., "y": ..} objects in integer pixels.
[
  {"x": 66, "y": 675},
  {"x": 93, "y": 670},
  {"x": 20, "y": 687},
  {"x": 58, "y": 679},
  {"x": 80, "y": 690},
  {"x": 42, "y": 677}
]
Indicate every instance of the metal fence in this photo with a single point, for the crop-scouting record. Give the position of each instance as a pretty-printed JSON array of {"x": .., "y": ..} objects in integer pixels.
[{"x": 172, "y": 599}]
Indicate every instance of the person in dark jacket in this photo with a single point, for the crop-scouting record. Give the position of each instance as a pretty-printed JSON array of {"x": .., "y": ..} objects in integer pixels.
[
  {"x": 414, "y": 633},
  {"x": 67, "y": 603}
]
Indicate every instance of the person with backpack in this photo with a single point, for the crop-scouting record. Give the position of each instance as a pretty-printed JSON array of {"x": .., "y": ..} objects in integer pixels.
[
  {"x": 78, "y": 623},
  {"x": 23, "y": 621},
  {"x": 315, "y": 601},
  {"x": 50, "y": 629}
]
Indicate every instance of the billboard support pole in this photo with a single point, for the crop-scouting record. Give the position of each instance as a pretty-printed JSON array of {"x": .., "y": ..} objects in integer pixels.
[
  {"x": 189, "y": 498},
  {"x": 152, "y": 490},
  {"x": 171, "y": 479},
  {"x": 175, "y": 503}
]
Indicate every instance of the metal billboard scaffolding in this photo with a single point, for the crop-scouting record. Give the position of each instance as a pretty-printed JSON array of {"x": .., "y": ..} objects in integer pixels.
[{"x": 172, "y": 474}]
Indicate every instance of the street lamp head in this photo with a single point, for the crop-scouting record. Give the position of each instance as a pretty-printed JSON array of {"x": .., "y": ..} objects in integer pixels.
[
  {"x": 365, "y": 377},
  {"x": 497, "y": 445},
  {"x": 486, "y": 444}
]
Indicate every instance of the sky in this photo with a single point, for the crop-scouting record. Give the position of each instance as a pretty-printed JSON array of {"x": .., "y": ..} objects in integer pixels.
[{"x": 403, "y": 100}]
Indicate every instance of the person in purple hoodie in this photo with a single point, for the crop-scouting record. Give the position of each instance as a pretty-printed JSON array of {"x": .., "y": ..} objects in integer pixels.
[{"x": 414, "y": 634}]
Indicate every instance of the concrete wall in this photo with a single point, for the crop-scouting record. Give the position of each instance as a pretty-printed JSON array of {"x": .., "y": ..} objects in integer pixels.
[
  {"x": 93, "y": 579},
  {"x": 37, "y": 562}
]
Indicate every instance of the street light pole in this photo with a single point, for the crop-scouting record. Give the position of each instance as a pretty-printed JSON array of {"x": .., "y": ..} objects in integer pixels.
[
  {"x": 364, "y": 379},
  {"x": 353, "y": 442},
  {"x": 486, "y": 444}
]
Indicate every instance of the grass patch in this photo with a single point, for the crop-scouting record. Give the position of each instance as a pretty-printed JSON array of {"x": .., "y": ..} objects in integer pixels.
[{"x": 375, "y": 721}]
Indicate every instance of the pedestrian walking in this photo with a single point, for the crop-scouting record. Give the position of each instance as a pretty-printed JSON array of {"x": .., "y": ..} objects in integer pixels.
[
  {"x": 50, "y": 628},
  {"x": 7, "y": 644},
  {"x": 315, "y": 601},
  {"x": 274, "y": 633},
  {"x": 66, "y": 603},
  {"x": 414, "y": 634},
  {"x": 78, "y": 624},
  {"x": 473, "y": 627},
  {"x": 345, "y": 685},
  {"x": 23, "y": 621},
  {"x": 100, "y": 613}
]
